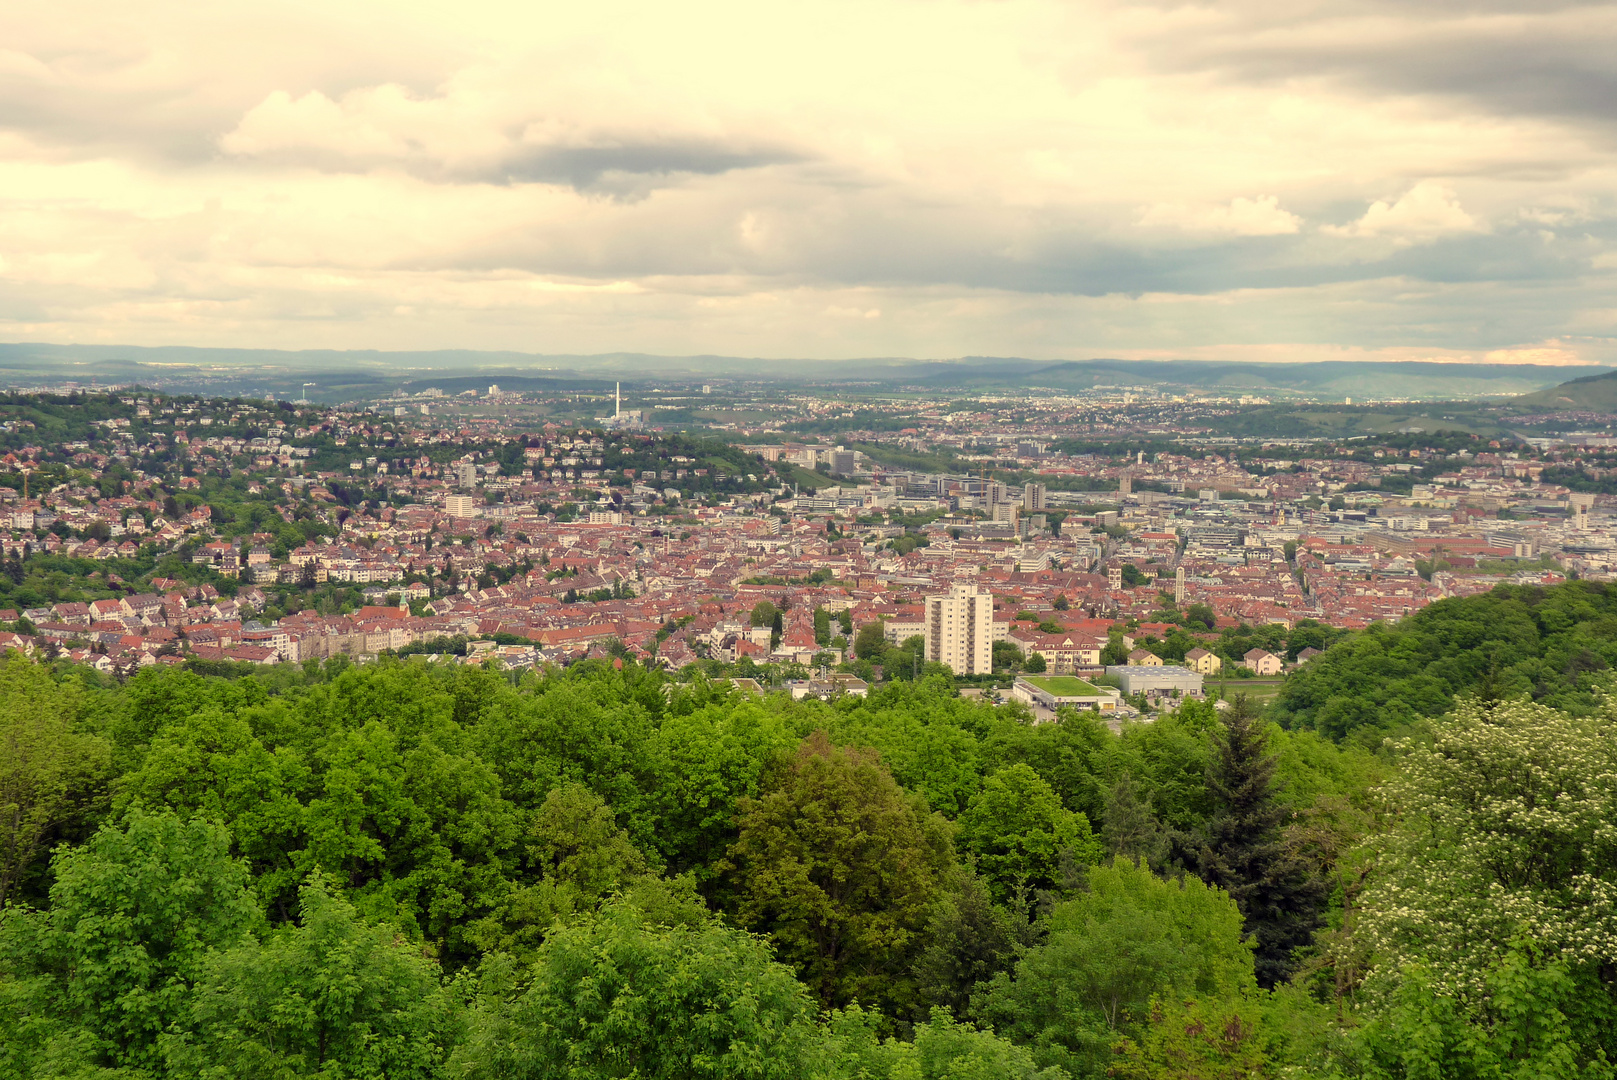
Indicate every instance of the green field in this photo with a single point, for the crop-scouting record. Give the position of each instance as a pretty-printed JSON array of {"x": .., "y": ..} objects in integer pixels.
[
  {"x": 1261, "y": 691},
  {"x": 1063, "y": 685}
]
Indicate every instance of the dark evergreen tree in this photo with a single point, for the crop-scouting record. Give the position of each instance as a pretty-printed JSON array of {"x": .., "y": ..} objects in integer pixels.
[
  {"x": 970, "y": 939},
  {"x": 1132, "y": 829},
  {"x": 1243, "y": 847}
]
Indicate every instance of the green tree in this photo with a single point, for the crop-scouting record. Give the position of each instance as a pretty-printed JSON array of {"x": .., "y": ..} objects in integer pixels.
[
  {"x": 822, "y": 626},
  {"x": 969, "y": 940},
  {"x": 1131, "y": 829},
  {"x": 1243, "y": 849},
  {"x": 1034, "y": 664},
  {"x": 134, "y": 914},
  {"x": 1201, "y": 614},
  {"x": 576, "y": 841},
  {"x": 870, "y": 642},
  {"x": 1006, "y": 656},
  {"x": 1486, "y": 918},
  {"x": 839, "y": 867},
  {"x": 620, "y": 995},
  {"x": 581, "y": 857},
  {"x": 942, "y": 1049},
  {"x": 764, "y": 613},
  {"x": 51, "y": 772},
  {"x": 1196, "y": 1040},
  {"x": 1130, "y": 938},
  {"x": 1020, "y": 832},
  {"x": 1540, "y": 1015},
  {"x": 702, "y": 762},
  {"x": 329, "y": 997}
]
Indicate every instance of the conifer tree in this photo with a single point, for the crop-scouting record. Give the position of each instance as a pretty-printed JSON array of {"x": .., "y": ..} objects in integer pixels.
[{"x": 1243, "y": 847}]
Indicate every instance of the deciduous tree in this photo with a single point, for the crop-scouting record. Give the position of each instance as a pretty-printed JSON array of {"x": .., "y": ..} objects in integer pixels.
[{"x": 836, "y": 863}]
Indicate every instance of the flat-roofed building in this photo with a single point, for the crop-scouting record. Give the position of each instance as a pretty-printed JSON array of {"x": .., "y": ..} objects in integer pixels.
[{"x": 960, "y": 629}]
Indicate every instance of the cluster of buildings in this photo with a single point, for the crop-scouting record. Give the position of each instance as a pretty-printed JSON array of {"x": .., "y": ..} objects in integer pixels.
[{"x": 559, "y": 543}]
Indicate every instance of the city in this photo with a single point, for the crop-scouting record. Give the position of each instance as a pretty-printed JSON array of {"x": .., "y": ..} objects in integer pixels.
[{"x": 282, "y": 532}]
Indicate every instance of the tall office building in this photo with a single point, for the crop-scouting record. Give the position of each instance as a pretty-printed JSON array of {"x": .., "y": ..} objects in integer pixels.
[
  {"x": 461, "y": 506},
  {"x": 1581, "y": 505},
  {"x": 464, "y": 473},
  {"x": 960, "y": 629},
  {"x": 1033, "y": 497}
]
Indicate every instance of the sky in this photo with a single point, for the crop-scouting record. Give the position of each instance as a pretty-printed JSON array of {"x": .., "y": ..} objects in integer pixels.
[{"x": 1352, "y": 179}]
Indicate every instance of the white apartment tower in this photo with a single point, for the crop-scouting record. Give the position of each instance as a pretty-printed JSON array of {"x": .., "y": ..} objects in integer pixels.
[{"x": 960, "y": 629}]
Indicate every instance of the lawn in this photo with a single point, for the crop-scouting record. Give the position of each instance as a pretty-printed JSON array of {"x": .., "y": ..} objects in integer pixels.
[
  {"x": 1063, "y": 685},
  {"x": 1261, "y": 691}
]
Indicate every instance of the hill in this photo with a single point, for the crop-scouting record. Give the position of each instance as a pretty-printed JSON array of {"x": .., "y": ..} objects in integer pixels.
[
  {"x": 360, "y": 373},
  {"x": 1553, "y": 645},
  {"x": 1592, "y": 393}
]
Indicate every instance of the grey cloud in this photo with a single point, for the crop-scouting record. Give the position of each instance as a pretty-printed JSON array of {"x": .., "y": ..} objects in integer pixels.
[
  {"x": 1542, "y": 60},
  {"x": 873, "y": 238},
  {"x": 623, "y": 168}
]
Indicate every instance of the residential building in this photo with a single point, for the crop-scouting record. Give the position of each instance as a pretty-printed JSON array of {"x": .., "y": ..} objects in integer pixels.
[
  {"x": 1262, "y": 662},
  {"x": 960, "y": 629}
]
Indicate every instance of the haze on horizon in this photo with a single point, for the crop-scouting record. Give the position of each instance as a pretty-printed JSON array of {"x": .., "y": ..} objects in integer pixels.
[{"x": 1354, "y": 179}]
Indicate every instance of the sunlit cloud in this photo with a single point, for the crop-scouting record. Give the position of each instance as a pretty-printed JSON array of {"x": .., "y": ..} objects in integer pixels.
[
  {"x": 1428, "y": 210},
  {"x": 1261, "y": 216},
  {"x": 937, "y": 178}
]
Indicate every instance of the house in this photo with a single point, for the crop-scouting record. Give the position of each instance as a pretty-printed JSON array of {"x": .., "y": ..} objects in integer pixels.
[
  {"x": 1141, "y": 658},
  {"x": 1203, "y": 661},
  {"x": 1306, "y": 655},
  {"x": 1262, "y": 662},
  {"x": 1062, "y": 653}
]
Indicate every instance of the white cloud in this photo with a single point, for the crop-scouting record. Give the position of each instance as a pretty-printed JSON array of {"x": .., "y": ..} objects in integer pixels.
[
  {"x": 1261, "y": 216},
  {"x": 1426, "y": 211},
  {"x": 1035, "y": 176}
]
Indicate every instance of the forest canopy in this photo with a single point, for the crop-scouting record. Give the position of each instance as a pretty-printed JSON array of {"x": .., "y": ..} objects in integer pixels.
[{"x": 427, "y": 869}]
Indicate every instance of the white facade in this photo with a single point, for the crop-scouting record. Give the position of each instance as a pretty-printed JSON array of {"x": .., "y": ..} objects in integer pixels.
[{"x": 960, "y": 629}]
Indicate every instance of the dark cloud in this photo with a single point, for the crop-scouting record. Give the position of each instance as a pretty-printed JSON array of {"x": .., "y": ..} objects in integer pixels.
[
  {"x": 622, "y": 168},
  {"x": 1541, "y": 59}
]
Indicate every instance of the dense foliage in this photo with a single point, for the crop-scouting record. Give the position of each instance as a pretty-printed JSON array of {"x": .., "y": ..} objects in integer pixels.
[
  {"x": 1552, "y": 644},
  {"x": 419, "y": 869}
]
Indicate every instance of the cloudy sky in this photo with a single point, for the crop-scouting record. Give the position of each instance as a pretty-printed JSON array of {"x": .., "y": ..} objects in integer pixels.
[{"x": 1347, "y": 179}]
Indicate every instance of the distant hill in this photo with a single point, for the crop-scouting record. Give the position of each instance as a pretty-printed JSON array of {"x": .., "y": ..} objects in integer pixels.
[
  {"x": 1592, "y": 393},
  {"x": 1329, "y": 378},
  {"x": 360, "y": 373}
]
